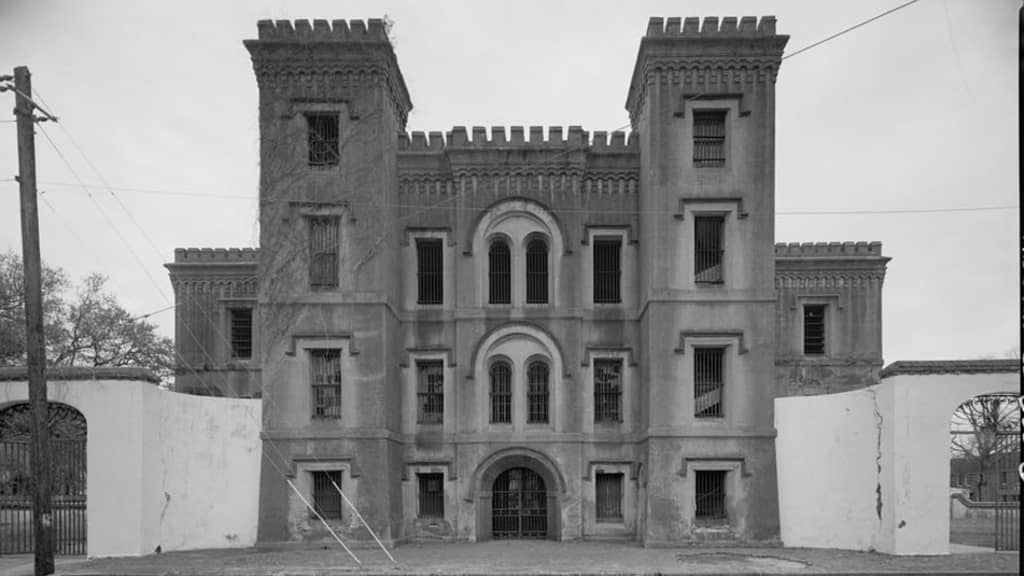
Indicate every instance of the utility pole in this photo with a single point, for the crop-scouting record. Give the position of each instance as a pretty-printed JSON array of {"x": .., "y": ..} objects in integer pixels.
[{"x": 42, "y": 517}]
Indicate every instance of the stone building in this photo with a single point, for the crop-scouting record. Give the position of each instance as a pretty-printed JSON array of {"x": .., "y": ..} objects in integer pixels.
[{"x": 523, "y": 333}]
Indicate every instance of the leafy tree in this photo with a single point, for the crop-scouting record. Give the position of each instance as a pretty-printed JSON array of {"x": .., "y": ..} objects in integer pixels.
[{"x": 87, "y": 327}]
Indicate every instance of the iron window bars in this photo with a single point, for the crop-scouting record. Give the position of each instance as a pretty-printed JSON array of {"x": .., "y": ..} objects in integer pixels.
[
  {"x": 607, "y": 270},
  {"x": 709, "y": 495},
  {"x": 708, "y": 249},
  {"x": 323, "y": 251},
  {"x": 499, "y": 273},
  {"x": 429, "y": 271},
  {"x": 431, "y": 495},
  {"x": 241, "y": 333},
  {"x": 501, "y": 393},
  {"x": 326, "y": 499},
  {"x": 814, "y": 329},
  {"x": 708, "y": 139},
  {"x": 537, "y": 393},
  {"x": 708, "y": 382},
  {"x": 609, "y": 497},
  {"x": 608, "y": 390},
  {"x": 323, "y": 138},
  {"x": 537, "y": 272},
  {"x": 326, "y": 368},
  {"x": 430, "y": 392}
]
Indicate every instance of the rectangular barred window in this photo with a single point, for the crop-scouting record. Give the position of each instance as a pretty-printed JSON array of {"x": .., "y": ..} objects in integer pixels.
[
  {"x": 431, "y": 495},
  {"x": 326, "y": 499},
  {"x": 323, "y": 138},
  {"x": 607, "y": 270},
  {"x": 709, "y": 493},
  {"x": 323, "y": 251},
  {"x": 708, "y": 138},
  {"x": 708, "y": 382},
  {"x": 814, "y": 329},
  {"x": 708, "y": 249},
  {"x": 241, "y": 333},
  {"x": 608, "y": 390},
  {"x": 429, "y": 271},
  {"x": 430, "y": 392},
  {"x": 609, "y": 497},
  {"x": 326, "y": 368}
]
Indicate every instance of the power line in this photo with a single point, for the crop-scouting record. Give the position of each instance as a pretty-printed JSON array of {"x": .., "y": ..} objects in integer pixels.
[{"x": 850, "y": 29}]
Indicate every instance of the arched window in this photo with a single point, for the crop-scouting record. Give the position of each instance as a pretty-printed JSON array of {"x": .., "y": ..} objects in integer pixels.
[
  {"x": 537, "y": 393},
  {"x": 537, "y": 272},
  {"x": 501, "y": 393},
  {"x": 500, "y": 273}
]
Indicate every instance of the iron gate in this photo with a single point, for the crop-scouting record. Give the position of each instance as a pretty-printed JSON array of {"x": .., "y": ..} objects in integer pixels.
[
  {"x": 1007, "y": 513},
  {"x": 519, "y": 505},
  {"x": 67, "y": 473}
]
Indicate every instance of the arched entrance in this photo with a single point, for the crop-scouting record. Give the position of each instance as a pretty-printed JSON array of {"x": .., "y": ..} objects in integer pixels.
[
  {"x": 67, "y": 456},
  {"x": 519, "y": 505}
]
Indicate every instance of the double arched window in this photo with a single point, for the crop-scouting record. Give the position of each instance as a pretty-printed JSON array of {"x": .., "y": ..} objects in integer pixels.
[
  {"x": 499, "y": 272},
  {"x": 537, "y": 392}
]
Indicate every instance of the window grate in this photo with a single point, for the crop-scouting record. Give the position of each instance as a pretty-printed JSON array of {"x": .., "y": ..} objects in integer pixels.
[
  {"x": 609, "y": 497},
  {"x": 537, "y": 393},
  {"x": 607, "y": 270},
  {"x": 326, "y": 366},
  {"x": 323, "y": 139},
  {"x": 326, "y": 499},
  {"x": 709, "y": 495},
  {"x": 500, "y": 273},
  {"x": 708, "y": 382},
  {"x": 323, "y": 250},
  {"x": 708, "y": 249},
  {"x": 608, "y": 391},
  {"x": 431, "y": 495},
  {"x": 430, "y": 273},
  {"x": 814, "y": 329},
  {"x": 430, "y": 392},
  {"x": 537, "y": 272},
  {"x": 708, "y": 139},
  {"x": 501, "y": 393},
  {"x": 241, "y": 333}
]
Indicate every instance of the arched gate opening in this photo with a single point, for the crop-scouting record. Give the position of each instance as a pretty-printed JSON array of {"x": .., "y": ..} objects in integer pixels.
[{"x": 68, "y": 432}]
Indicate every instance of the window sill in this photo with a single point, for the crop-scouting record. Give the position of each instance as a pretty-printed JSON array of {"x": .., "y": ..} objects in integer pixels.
[{"x": 610, "y": 521}]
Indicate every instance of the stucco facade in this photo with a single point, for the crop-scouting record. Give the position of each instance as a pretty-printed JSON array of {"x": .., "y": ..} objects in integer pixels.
[{"x": 380, "y": 259}]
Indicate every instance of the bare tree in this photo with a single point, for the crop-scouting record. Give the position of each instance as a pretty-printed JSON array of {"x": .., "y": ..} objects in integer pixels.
[{"x": 984, "y": 429}]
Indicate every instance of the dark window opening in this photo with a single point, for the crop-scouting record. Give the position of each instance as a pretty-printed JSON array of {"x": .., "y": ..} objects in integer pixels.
[
  {"x": 430, "y": 271},
  {"x": 708, "y": 139},
  {"x": 323, "y": 250},
  {"x": 708, "y": 382},
  {"x": 501, "y": 393},
  {"x": 500, "y": 273},
  {"x": 537, "y": 393},
  {"x": 326, "y": 498},
  {"x": 708, "y": 249},
  {"x": 431, "y": 495},
  {"x": 430, "y": 392},
  {"x": 709, "y": 495},
  {"x": 323, "y": 139},
  {"x": 609, "y": 497},
  {"x": 607, "y": 390},
  {"x": 241, "y": 333},
  {"x": 537, "y": 272},
  {"x": 326, "y": 366},
  {"x": 607, "y": 270},
  {"x": 814, "y": 329}
]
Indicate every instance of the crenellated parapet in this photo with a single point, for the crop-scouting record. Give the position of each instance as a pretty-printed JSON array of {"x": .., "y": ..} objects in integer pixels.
[
  {"x": 221, "y": 272},
  {"x": 828, "y": 249},
  {"x": 814, "y": 265},
  {"x": 705, "y": 58},
  {"x": 191, "y": 255},
  {"x": 328, "y": 60},
  {"x": 534, "y": 137}
]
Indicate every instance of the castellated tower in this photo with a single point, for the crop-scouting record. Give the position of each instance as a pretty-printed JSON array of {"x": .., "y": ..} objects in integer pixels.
[
  {"x": 702, "y": 99},
  {"x": 332, "y": 102}
]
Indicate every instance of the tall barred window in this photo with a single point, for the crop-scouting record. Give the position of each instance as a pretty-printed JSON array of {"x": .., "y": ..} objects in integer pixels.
[
  {"x": 708, "y": 138},
  {"x": 326, "y": 498},
  {"x": 709, "y": 495},
  {"x": 430, "y": 392},
  {"x": 708, "y": 382},
  {"x": 323, "y": 251},
  {"x": 429, "y": 271},
  {"x": 326, "y": 372},
  {"x": 708, "y": 249},
  {"x": 608, "y": 390},
  {"x": 537, "y": 272},
  {"x": 608, "y": 488},
  {"x": 241, "y": 333},
  {"x": 322, "y": 130},
  {"x": 607, "y": 270},
  {"x": 501, "y": 393},
  {"x": 814, "y": 329},
  {"x": 537, "y": 392},
  {"x": 499, "y": 272}
]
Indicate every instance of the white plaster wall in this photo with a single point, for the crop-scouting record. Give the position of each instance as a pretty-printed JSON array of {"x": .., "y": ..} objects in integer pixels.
[
  {"x": 147, "y": 447},
  {"x": 828, "y": 473}
]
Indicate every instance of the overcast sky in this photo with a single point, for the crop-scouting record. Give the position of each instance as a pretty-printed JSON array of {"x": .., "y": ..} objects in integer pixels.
[{"x": 917, "y": 110}]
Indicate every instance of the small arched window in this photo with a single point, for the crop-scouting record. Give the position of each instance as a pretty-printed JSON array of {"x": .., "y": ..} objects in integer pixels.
[
  {"x": 500, "y": 273},
  {"x": 537, "y": 393},
  {"x": 537, "y": 272},
  {"x": 501, "y": 393}
]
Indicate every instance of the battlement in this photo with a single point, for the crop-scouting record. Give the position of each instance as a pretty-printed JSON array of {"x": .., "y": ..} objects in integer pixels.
[
  {"x": 828, "y": 250},
  {"x": 323, "y": 30},
  {"x": 729, "y": 26},
  {"x": 193, "y": 255},
  {"x": 478, "y": 137}
]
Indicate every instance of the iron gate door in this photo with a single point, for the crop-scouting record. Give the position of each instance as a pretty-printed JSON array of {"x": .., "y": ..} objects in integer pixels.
[{"x": 519, "y": 503}]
